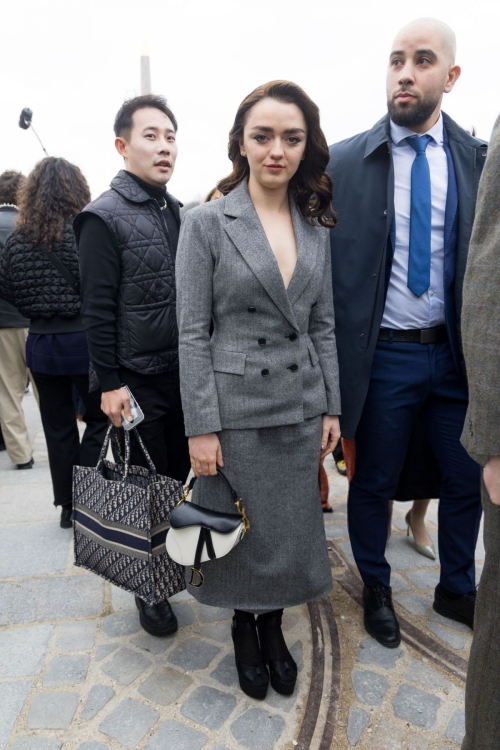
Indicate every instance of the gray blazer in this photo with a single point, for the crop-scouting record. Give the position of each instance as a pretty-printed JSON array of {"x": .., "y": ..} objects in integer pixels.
[{"x": 271, "y": 359}]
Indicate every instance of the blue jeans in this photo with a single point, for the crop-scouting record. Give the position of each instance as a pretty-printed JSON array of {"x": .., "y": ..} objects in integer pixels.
[{"x": 408, "y": 379}]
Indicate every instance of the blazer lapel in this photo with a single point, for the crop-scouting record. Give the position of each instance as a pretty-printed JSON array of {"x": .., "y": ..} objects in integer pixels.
[
  {"x": 309, "y": 246},
  {"x": 249, "y": 238}
]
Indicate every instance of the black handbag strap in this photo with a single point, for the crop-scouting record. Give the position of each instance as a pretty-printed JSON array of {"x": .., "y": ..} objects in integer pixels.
[
  {"x": 233, "y": 492},
  {"x": 65, "y": 272},
  {"x": 234, "y": 495}
]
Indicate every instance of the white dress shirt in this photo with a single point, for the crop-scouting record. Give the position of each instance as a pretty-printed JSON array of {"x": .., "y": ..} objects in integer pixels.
[{"x": 403, "y": 310}]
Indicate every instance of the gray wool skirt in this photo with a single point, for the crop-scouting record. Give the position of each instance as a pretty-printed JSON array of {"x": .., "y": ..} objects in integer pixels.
[{"x": 283, "y": 559}]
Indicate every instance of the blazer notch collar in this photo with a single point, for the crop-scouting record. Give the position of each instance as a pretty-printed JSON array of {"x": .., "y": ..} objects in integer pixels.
[{"x": 238, "y": 200}]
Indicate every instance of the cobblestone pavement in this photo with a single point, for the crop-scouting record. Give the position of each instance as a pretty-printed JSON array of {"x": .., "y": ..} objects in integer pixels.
[{"x": 78, "y": 673}]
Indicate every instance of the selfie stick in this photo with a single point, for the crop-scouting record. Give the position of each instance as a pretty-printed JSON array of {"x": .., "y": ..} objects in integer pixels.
[{"x": 25, "y": 123}]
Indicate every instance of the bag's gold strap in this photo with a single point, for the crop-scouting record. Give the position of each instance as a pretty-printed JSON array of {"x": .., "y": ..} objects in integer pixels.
[
  {"x": 185, "y": 494},
  {"x": 241, "y": 511}
]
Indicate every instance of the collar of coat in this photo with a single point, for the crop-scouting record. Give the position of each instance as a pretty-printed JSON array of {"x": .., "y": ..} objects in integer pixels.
[
  {"x": 380, "y": 134},
  {"x": 124, "y": 184},
  {"x": 250, "y": 239}
]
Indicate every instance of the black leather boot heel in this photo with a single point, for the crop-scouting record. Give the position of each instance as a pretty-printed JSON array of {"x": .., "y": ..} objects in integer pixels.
[
  {"x": 282, "y": 667},
  {"x": 252, "y": 672}
]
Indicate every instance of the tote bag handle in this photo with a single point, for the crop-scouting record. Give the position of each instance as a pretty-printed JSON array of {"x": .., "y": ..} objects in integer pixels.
[{"x": 124, "y": 460}]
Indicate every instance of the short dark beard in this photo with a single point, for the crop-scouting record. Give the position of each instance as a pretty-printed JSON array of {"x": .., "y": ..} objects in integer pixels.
[{"x": 415, "y": 115}]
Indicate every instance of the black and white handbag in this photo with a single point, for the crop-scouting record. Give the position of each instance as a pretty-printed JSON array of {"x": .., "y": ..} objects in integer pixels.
[{"x": 199, "y": 535}]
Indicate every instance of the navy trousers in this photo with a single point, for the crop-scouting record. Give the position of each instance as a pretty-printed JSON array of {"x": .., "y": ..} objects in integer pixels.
[{"x": 408, "y": 379}]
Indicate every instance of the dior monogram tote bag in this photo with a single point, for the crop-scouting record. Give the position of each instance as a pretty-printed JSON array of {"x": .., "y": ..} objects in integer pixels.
[{"x": 120, "y": 521}]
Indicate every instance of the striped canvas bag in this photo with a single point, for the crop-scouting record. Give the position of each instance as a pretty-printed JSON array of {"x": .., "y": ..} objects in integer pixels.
[{"x": 120, "y": 521}]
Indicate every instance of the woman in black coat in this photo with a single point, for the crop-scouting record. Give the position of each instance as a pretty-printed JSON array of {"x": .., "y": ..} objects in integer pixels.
[{"x": 39, "y": 274}]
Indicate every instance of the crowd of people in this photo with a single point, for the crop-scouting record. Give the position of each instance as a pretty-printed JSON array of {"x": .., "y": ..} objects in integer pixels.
[{"x": 316, "y": 293}]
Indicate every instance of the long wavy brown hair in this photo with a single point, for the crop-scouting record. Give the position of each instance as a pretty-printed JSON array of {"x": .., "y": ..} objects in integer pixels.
[
  {"x": 54, "y": 193},
  {"x": 311, "y": 185}
]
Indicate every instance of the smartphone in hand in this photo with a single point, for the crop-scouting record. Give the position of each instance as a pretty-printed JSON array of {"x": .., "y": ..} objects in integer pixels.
[{"x": 137, "y": 413}]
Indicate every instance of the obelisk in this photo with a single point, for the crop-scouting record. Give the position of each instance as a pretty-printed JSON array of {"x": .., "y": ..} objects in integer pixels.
[{"x": 145, "y": 71}]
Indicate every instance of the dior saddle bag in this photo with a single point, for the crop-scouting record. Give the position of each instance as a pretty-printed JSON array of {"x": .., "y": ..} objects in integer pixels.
[{"x": 198, "y": 535}]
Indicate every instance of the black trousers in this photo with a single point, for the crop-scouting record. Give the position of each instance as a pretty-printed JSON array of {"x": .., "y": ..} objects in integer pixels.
[
  {"x": 162, "y": 429},
  {"x": 61, "y": 431}
]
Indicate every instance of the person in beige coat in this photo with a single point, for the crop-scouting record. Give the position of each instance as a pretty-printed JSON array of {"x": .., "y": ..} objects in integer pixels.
[
  {"x": 13, "y": 332},
  {"x": 481, "y": 438}
]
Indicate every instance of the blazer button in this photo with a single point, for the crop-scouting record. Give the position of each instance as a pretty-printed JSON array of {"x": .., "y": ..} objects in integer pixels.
[
  {"x": 292, "y": 337},
  {"x": 264, "y": 373},
  {"x": 252, "y": 309},
  {"x": 293, "y": 368},
  {"x": 261, "y": 342}
]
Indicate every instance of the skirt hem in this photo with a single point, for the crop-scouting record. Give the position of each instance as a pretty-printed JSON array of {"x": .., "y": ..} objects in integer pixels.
[{"x": 261, "y": 606}]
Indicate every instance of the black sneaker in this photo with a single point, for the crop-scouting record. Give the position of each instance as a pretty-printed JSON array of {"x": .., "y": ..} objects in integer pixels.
[
  {"x": 455, "y": 606},
  {"x": 380, "y": 619}
]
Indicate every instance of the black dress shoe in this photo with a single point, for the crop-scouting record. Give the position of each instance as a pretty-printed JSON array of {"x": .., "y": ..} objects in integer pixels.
[
  {"x": 380, "y": 619},
  {"x": 27, "y": 465},
  {"x": 282, "y": 667},
  {"x": 252, "y": 672},
  {"x": 157, "y": 619},
  {"x": 66, "y": 513},
  {"x": 454, "y": 606}
]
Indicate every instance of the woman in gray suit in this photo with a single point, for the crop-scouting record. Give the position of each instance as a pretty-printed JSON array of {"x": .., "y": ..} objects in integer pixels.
[{"x": 260, "y": 388}]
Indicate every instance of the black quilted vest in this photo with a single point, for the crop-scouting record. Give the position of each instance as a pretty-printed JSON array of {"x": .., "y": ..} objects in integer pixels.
[{"x": 146, "y": 325}]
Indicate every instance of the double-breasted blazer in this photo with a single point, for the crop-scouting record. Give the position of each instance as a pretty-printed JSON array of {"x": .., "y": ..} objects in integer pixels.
[{"x": 270, "y": 358}]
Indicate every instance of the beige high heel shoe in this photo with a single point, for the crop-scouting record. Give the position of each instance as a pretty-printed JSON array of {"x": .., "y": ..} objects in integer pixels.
[{"x": 423, "y": 549}]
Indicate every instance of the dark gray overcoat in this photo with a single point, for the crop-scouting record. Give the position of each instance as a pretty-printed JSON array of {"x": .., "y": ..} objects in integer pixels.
[{"x": 362, "y": 172}]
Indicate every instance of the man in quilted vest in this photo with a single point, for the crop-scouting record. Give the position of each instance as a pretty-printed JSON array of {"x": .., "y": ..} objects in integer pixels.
[{"x": 127, "y": 240}]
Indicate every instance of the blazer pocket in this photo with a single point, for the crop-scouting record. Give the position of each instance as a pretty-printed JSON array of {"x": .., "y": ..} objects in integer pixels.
[
  {"x": 231, "y": 362},
  {"x": 312, "y": 354}
]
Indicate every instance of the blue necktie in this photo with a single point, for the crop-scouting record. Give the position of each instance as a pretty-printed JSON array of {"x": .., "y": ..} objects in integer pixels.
[{"x": 419, "y": 261}]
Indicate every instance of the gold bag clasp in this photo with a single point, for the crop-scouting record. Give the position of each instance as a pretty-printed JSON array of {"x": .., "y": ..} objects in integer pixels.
[{"x": 201, "y": 578}]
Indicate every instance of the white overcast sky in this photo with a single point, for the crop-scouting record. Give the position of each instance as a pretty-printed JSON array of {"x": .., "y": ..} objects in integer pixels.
[{"x": 73, "y": 62}]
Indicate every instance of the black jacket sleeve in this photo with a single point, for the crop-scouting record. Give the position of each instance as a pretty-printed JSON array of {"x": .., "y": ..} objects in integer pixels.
[{"x": 100, "y": 282}]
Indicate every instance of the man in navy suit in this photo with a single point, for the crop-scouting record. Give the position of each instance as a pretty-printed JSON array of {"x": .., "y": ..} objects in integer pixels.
[{"x": 404, "y": 196}]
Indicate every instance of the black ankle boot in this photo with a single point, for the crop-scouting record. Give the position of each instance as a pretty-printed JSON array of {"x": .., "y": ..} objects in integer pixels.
[
  {"x": 65, "y": 522},
  {"x": 252, "y": 672},
  {"x": 282, "y": 667}
]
